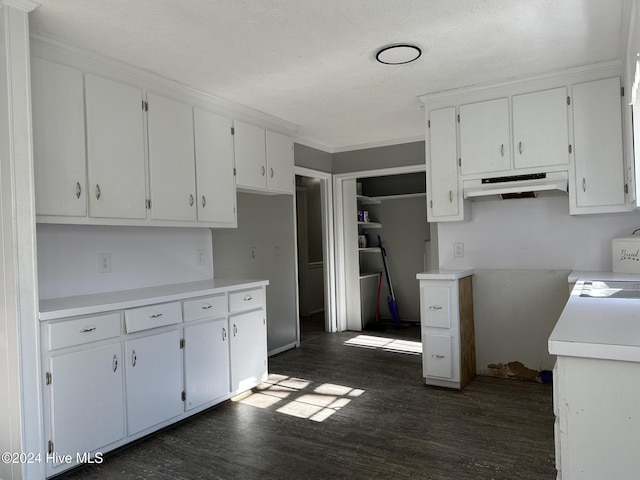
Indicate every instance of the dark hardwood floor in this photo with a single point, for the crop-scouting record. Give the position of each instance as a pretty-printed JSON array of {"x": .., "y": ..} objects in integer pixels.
[{"x": 353, "y": 406}]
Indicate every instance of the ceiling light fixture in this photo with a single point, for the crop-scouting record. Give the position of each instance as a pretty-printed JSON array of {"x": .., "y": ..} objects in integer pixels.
[{"x": 398, "y": 54}]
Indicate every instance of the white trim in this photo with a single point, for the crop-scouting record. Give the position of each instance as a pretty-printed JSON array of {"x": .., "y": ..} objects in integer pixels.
[
  {"x": 384, "y": 143},
  {"x": 340, "y": 273},
  {"x": 284, "y": 348},
  {"x": 328, "y": 245},
  {"x": 312, "y": 144},
  {"x": 24, "y": 5}
]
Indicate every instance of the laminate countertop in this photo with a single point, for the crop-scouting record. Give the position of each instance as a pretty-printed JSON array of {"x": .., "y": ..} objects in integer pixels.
[
  {"x": 442, "y": 274},
  {"x": 606, "y": 327},
  {"x": 53, "y": 308}
]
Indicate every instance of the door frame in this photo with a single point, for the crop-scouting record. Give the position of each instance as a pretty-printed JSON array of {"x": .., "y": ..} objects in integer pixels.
[
  {"x": 341, "y": 276},
  {"x": 328, "y": 245}
]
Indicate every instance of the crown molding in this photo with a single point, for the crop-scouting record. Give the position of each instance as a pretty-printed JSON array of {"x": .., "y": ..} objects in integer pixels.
[
  {"x": 24, "y": 5},
  {"x": 384, "y": 143}
]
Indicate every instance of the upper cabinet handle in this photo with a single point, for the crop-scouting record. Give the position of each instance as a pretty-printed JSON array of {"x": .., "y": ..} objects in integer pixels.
[
  {"x": 224, "y": 334},
  {"x": 134, "y": 358},
  {"x": 98, "y": 192},
  {"x": 115, "y": 363},
  {"x": 502, "y": 149},
  {"x": 191, "y": 200},
  {"x": 584, "y": 184},
  {"x": 78, "y": 190},
  {"x": 204, "y": 201},
  {"x": 264, "y": 171},
  {"x": 520, "y": 147},
  {"x": 450, "y": 196},
  {"x": 271, "y": 172}
]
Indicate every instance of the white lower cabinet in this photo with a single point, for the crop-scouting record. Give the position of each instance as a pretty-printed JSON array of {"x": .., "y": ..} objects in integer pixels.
[
  {"x": 86, "y": 400},
  {"x": 248, "y": 349},
  {"x": 115, "y": 376},
  {"x": 154, "y": 380},
  {"x": 437, "y": 356},
  {"x": 206, "y": 362}
]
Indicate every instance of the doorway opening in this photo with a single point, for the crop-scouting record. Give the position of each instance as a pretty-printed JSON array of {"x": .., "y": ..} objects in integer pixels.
[{"x": 314, "y": 234}]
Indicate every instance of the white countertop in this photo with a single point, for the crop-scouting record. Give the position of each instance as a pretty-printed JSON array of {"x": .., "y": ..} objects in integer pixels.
[
  {"x": 53, "y": 308},
  {"x": 442, "y": 274},
  {"x": 593, "y": 275},
  {"x": 604, "y": 328}
]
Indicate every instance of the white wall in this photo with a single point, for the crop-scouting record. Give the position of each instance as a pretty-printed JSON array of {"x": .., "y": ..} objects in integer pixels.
[
  {"x": 522, "y": 251},
  {"x": 140, "y": 257}
]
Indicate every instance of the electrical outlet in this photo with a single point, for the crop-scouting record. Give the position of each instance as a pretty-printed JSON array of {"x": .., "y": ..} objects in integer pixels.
[
  {"x": 104, "y": 263},
  {"x": 200, "y": 257},
  {"x": 458, "y": 249},
  {"x": 252, "y": 254}
]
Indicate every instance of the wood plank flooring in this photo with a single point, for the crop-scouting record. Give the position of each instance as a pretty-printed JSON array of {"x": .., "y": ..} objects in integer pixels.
[{"x": 352, "y": 405}]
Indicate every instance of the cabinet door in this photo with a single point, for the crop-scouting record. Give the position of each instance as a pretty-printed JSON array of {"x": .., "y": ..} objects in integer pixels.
[
  {"x": 437, "y": 356},
  {"x": 484, "y": 137},
  {"x": 248, "y": 349},
  {"x": 115, "y": 148},
  {"x": 154, "y": 380},
  {"x": 436, "y": 307},
  {"x": 541, "y": 129},
  {"x": 280, "y": 176},
  {"x": 58, "y": 139},
  {"x": 171, "y": 159},
  {"x": 250, "y": 153},
  {"x": 597, "y": 130},
  {"x": 443, "y": 165},
  {"x": 86, "y": 399},
  {"x": 216, "y": 184},
  {"x": 206, "y": 362}
]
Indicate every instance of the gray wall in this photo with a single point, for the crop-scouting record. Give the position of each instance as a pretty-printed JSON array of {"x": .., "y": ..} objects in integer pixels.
[
  {"x": 264, "y": 222},
  {"x": 404, "y": 231},
  {"x": 406, "y": 154},
  {"x": 313, "y": 158}
]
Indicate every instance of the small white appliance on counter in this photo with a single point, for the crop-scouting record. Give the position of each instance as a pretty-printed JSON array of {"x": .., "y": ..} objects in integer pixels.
[{"x": 625, "y": 253}]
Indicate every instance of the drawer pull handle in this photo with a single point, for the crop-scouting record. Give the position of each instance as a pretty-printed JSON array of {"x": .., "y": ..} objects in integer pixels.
[
  {"x": 155, "y": 315},
  {"x": 224, "y": 334},
  {"x": 247, "y": 298},
  {"x": 206, "y": 306},
  {"x": 134, "y": 358},
  {"x": 87, "y": 330},
  {"x": 115, "y": 364},
  {"x": 437, "y": 356},
  {"x": 435, "y": 307}
]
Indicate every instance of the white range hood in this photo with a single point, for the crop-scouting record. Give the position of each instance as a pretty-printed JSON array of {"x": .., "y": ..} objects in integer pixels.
[{"x": 517, "y": 186}]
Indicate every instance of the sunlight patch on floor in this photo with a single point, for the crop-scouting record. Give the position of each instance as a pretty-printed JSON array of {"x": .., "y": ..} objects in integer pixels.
[
  {"x": 385, "y": 343},
  {"x": 299, "y": 398}
]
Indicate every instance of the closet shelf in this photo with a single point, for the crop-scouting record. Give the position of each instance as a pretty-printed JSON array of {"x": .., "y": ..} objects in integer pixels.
[{"x": 369, "y": 224}]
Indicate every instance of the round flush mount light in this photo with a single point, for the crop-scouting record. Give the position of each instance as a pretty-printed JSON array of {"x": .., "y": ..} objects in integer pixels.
[{"x": 398, "y": 54}]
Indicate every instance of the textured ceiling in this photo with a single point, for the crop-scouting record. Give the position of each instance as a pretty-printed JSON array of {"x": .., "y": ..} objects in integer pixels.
[{"x": 311, "y": 62}]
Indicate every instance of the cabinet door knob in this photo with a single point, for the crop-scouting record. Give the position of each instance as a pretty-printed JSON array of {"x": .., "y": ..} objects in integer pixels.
[
  {"x": 437, "y": 356},
  {"x": 204, "y": 201},
  {"x": 78, "y": 190},
  {"x": 98, "y": 194},
  {"x": 134, "y": 358},
  {"x": 114, "y": 363}
]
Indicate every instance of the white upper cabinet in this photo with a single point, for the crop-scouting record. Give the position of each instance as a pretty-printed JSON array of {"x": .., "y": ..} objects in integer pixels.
[
  {"x": 485, "y": 145},
  {"x": 58, "y": 139},
  {"x": 599, "y": 164},
  {"x": 280, "y": 169},
  {"x": 442, "y": 173},
  {"x": 216, "y": 184},
  {"x": 115, "y": 147},
  {"x": 171, "y": 159},
  {"x": 250, "y": 152},
  {"x": 540, "y": 129},
  {"x": 264, "y": 159}
]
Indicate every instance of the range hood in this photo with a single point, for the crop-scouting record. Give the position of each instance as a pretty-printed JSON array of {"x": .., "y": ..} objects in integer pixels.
[{"x": 517, "y": 186}]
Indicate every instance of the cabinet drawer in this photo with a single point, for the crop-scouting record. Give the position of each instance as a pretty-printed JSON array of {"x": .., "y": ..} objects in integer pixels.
[
  {"x": 144, "y": 318},
  {"x": 246, "y": 299},
  {"x": 84, "y": 330},
  {"x": 436, "y": 307},
  {"x": 205, "y": 307},
  {"x": 437, "y": 356}
]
